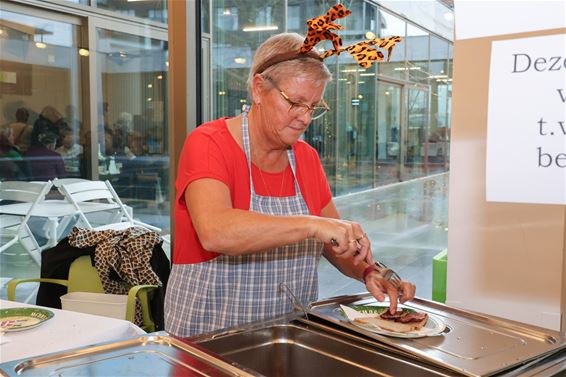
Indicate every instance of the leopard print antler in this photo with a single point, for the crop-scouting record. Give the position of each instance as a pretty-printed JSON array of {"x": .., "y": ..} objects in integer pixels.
[
  {"x": 364, "y": 54},
  {"x": 320, "y": 28}
]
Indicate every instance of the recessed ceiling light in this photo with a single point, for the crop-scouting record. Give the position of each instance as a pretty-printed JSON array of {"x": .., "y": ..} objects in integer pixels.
[{"x": 261, "y": 28}]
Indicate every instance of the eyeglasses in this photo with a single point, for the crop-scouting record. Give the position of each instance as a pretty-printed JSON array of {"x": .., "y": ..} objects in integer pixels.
[{"x": 296, "y": 108}]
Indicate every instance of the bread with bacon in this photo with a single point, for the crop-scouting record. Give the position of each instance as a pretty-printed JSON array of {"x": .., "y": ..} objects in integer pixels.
[{"x": 402, "y": 321}]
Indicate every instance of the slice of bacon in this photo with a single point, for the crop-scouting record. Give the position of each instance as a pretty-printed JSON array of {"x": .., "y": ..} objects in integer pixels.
[
  {"x": 412, "y": 317},
  {"x": 403, "y": 316},
  {"x": 398, "y": 314}
]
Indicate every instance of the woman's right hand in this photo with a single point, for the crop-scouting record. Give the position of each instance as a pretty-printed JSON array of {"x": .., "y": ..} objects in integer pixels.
[{"x": 347, "y": 238}]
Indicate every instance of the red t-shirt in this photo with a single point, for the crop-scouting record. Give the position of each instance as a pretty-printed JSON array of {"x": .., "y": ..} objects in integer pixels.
[{"x": 210, "y": 151}]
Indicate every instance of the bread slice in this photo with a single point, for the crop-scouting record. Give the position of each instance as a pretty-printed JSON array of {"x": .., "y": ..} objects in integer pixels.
[{"x": 392, "y": 325}]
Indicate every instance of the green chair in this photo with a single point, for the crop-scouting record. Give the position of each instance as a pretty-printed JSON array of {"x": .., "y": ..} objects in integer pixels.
[{"x": 83, "y": 277}]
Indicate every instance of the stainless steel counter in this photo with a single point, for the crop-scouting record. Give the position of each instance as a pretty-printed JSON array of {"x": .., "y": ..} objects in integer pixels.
[
  {"x": 148, "y": 355},
  {"x": 320, "y": 342}
]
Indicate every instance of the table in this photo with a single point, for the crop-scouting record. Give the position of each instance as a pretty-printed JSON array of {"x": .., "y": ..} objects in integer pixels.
[{"x": 64, "y": 331}]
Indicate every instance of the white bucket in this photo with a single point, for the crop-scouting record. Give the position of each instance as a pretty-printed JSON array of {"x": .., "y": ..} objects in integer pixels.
[{"x": 107, "y": 305}]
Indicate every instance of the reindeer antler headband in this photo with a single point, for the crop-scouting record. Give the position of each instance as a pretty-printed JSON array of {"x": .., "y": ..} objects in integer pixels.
[{"x": 320, "y": 28}]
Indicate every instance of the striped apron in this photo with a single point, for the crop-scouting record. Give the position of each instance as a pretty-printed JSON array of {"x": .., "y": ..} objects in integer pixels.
[{"x": 232, "y": 290}]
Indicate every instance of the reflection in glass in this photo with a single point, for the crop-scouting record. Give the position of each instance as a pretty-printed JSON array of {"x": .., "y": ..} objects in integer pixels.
[
  {"x": 377, "y": 132},
  {"x": 238, "y": 31},
  {"x": 388, "y": 133},
  {"x": 356, "y": 101},
  {"x": 152, "y": 10},
  {"x": 417, "y": 42},
  {"x": 41, "y": 116},
  {"x": 132, "y": 112},
  {"x": 390, "y": 25},
  {"x": 415, "y": 147},
  {"x": 440, "y": 85}
]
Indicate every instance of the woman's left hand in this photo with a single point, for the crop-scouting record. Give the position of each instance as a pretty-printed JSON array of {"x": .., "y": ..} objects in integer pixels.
[{"x": 379, "y": 287}]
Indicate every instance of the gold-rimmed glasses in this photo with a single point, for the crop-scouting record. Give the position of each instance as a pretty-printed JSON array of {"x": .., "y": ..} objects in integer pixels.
[{"x": 296, "y": 108}]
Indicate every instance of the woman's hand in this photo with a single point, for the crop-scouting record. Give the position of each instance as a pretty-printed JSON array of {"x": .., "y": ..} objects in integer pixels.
[
  {"x": 379, "y": 287},
  {"x": 347, "y": 239}
]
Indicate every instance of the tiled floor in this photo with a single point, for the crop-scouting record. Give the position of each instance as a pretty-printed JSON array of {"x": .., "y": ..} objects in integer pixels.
[{"x": 406, "y": 222}]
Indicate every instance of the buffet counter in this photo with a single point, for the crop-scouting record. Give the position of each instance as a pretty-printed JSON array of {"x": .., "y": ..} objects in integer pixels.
[{"x": 320, "y": 341}]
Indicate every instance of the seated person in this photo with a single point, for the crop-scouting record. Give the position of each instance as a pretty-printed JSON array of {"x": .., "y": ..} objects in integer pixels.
[
  {"x": 12, "y": 165},
  {"x": 21, "y": 129},
  {"x": 71, "y": 152},
  {"x": 45, "y": 163}
]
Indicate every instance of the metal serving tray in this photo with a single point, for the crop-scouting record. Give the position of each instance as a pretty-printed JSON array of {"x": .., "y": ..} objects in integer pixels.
[
  {"x": 148, "y": 355},
  {"x": 472, "y": 344},
  {"x": 288, "y": 347}
]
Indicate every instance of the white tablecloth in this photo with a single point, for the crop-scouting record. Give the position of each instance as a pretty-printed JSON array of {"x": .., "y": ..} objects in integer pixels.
[{"x": 64, "y": 331}]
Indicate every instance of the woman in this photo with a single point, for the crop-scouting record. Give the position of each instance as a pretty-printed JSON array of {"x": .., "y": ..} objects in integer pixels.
[{"x": 253, "y": 207}]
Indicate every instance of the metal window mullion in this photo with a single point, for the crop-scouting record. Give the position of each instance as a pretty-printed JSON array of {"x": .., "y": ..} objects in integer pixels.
[
  {"x": 403, "y": 130},
  {"x": 93, "y": 105}
]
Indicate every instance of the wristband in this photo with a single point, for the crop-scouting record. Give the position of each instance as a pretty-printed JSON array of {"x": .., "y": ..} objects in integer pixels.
[{"x": 367, "y": 272}]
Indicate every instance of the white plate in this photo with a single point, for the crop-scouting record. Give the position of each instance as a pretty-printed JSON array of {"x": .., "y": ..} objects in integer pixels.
[
  {"x": 434, "y": 326},
  {"x": 17, "y": 319}
]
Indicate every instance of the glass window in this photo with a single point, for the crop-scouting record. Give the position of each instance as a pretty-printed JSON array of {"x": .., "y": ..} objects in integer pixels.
[
  {"x": 416, "y": 148},
  {"x": 388, "y": 132},
  {"x": 84, "y": 2},
  {"x": 40, "y": 85},
  {"x": 439, "y": 85},
  {"x": 132, "y": 129},
  {"x": 205, "y": 16},
  {"x": 294, "y": 13},
  {"x": 228, "y": 18},
  {"x": 355, "y": 109},
  {"x": 152, "y": 10},
  {"x": 390, "y": 25},
  {"x": 417, "y": 54},
  {"x": 238, "y": 31}
]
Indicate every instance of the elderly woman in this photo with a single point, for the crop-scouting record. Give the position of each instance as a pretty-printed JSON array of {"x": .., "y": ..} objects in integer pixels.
[{"x": 254, "y": 210}]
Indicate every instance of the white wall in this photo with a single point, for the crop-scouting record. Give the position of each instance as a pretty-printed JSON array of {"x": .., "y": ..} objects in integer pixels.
[{"x": 504, "y": 259}]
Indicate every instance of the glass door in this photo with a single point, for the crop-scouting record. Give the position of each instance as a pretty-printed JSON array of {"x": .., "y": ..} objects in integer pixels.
[
  {"x": 129, "y": 108},
  {"x": 388, "y": 135}
]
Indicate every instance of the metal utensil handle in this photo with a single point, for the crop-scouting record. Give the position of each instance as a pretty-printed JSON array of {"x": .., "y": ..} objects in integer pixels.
[
  {"x": 388, "y": 274},
  {"x": 294, "y": 300}
]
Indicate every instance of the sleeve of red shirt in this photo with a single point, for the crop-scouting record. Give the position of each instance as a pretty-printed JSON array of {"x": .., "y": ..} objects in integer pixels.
[{"x": 201, "y": 157}]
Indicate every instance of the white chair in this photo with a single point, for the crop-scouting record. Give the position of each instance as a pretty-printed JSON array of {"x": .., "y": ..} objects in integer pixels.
[
  {"x": 14, "y": 217},
  {"x": 90, "y": 197}
]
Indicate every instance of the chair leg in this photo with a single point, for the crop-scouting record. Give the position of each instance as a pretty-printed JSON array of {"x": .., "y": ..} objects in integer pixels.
[{"x": 35, "y": 252}]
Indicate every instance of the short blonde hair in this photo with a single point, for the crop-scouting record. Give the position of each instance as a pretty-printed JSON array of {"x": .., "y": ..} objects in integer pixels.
[{"x": 299, "y": 65}]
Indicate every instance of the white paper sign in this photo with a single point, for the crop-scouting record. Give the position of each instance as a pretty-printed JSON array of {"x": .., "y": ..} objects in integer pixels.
[
  {"x": 526, "y": 138},
  {"x": 500, "y": 17}
]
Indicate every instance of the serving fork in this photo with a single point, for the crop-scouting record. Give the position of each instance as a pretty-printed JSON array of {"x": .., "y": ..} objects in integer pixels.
[{"x": 388, "y": 274}]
